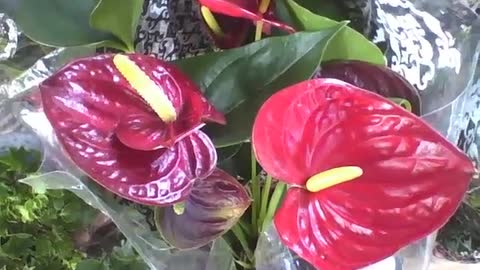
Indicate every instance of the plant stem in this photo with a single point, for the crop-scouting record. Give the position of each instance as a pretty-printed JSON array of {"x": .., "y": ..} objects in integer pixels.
[
  {"x": 264, "y": 201},
  {"x": 274, "y": 203},
  {"x": 258, "y": 30},
  {"x": 240, "y": 235},
  {"x": 264, "y": 4},
  {"x": 243, "y": 264},
  {"x": 245, "y": 227},
  {"x": 255, "y": 191}
]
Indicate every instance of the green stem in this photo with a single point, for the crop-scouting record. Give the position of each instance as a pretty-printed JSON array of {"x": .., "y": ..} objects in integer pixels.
[
  {"x": 264, "y": 4},
  {"x": 246, "y": 228},
  {"x": 275, "y": 201},
  {"x": 255, "y": 191},
  {"x": 404, "y": 103},
  {"x": 240, "y": 235},
  {"x": 243, "y": 264},
  {"x": 264, "y": 201}
]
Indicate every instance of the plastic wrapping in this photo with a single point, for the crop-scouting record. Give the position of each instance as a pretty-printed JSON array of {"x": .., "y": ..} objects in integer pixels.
[
  {"x": 272, "y": 255},
  {"x": 433, "y": 44},
  {"x": 134, "y": 221}
]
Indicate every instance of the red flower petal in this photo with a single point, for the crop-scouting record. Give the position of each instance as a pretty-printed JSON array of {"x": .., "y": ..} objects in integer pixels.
[
  {"x": 242, "y": 9},
  {"x": 413, "y": 179},
  {"x": 92, "y": 90},
  {"x": 159, "y": 177},
  {"x": 106, "y": 128},
  {"x": 235, "y": 31}
]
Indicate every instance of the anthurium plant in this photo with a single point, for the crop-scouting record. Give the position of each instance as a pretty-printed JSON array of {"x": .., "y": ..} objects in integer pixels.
[{"x": 337, "y": 157}]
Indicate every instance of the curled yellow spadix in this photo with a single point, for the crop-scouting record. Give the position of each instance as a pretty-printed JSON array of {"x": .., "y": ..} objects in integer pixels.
[
  {"x": 151, "y": 92},
  {"x": 211, "y": 21},
  {"x": 333, "y": 177}
]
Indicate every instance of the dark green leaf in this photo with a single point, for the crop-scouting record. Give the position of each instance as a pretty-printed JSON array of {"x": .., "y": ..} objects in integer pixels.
[
  {"x": 347, "y": 45},
  {"x": 328, "y": 8},
  {"x": 4, "y": 190},
  {"x": 118, "y": 19},
  {"x": 56, "y": 23},
  {"x": 226, "y": 153},
  {"x": 124, "y": 257},
  {"x": 43, "y": 245},
  {"x": 238, "y": 81},
  {"x": 18, "y": 244},
  {"x": 90, "y": 264}
]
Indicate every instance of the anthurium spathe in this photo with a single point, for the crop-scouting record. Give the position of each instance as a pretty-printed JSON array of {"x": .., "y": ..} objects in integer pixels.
[
  {"x": 230, "y": 20},
  {"x": 367, "y": 177},
  {"x": 132, "y": 122}
]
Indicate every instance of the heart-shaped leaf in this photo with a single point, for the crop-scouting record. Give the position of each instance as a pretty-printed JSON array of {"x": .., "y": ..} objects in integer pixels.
[
  {"x": 331, "y": 8},
  {"x": 238, "y": 81},
  {"x": 56, "y": 23},
  {"x": 118, "y": 19},
  {"x": 215, "y": 204},
  {"x": 347, "y": 45}
]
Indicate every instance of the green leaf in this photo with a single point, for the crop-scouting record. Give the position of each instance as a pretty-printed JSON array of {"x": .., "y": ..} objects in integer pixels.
[
  {"x": 239, "y": 164},
  {"x": 43, "y": 245},
  {"x": 57, "y": 23},
  {"x": 329, "y": 8},
  {"x": 4, "y": 190},
  {"x": 347, "y": 45},
  {"x": 17, "y": 244},
  {"x": 118, "y": 19},
  {"x": 238, "y": 81},
  {"x": 26, "y": 215},
  {"x": 124, "y": 257},
  {"x": 90, "y": 264}
]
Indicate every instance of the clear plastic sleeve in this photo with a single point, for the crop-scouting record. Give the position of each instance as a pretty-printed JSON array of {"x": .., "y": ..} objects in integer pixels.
[{"x": 272, "y": 255}]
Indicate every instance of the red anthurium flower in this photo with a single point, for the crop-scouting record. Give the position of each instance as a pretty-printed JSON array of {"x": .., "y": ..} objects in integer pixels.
[
  {"x": 132, "y": 123},
  {"x": 367, "y": 177},
  {"x": 233, "y": 18}
]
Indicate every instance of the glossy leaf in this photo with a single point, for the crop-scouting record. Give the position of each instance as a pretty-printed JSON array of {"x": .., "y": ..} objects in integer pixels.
[
  {"x": 328, "y": 8},
  {"x": 213, "y": 207},
  {"x": 238, "y": 164},
  {"x": 238, "y": 81},
  {"x": 347, "y": 45},
  {"x": 385, "y": 82},
  {"x": 56, "y": 23},
  {"x": 413, "y": 179},
  {"x": 119, "y": 19},
  {"x": 113, "y": 135}
]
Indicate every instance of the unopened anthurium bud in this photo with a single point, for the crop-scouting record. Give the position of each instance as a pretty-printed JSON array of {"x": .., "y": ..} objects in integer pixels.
[{"x": 215, "y": 205}]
